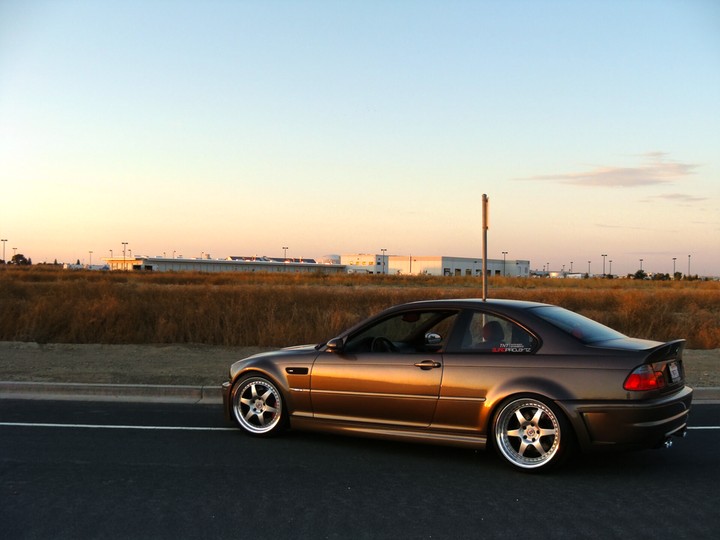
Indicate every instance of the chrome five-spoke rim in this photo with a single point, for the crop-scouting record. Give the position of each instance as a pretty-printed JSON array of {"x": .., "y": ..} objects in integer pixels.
[
  {"x": 257, "y": 405},
  {"x": 527, "y": 433}
]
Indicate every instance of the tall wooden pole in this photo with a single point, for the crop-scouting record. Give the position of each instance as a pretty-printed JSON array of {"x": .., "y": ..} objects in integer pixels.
[{"x": 485, "y": 201}]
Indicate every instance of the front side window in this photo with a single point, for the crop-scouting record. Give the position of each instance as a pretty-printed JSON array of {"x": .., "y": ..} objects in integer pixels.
[
  {"x": 407, "y": 332},
  {"x": 488, "y": 333}
]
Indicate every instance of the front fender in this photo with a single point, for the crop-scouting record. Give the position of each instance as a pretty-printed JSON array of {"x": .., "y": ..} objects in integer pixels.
[{"x": 288, "y": 370}]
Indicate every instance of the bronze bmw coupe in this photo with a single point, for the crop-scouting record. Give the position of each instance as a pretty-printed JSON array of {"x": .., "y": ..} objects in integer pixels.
[{"x": 534, "y": 381}]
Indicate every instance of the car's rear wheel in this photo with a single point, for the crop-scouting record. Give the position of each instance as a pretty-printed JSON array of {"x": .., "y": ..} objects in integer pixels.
[
  {"x": 257, "y": 405},
  {"x": 529, "y": 433}
]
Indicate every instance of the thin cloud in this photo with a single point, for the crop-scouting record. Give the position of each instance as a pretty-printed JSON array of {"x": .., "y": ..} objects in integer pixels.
[
  {"x": 631, "y": 228},
  {"x": 678, "y": 197},
  {"x": 657, "y": 169},
  {"x": 623, "y": 227}
]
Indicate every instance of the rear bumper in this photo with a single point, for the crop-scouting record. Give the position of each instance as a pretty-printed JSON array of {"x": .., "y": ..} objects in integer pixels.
[{"x": 636, "y": 424}]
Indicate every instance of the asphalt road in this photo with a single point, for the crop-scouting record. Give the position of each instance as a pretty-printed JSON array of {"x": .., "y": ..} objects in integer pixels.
[{"x": 143, "y": 470}]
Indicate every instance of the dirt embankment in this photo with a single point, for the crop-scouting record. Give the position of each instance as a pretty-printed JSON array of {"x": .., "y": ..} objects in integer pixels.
[{"x": 191, "y": 365}]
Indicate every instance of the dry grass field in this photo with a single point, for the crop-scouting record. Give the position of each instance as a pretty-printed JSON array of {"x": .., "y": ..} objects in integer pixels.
[{"x": 48, "y": 305}]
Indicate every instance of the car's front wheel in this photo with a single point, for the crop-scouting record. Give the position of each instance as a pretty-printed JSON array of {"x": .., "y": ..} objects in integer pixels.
[
  {"x": 257, "y": 405},
  {"x": 529, "y": 434}
]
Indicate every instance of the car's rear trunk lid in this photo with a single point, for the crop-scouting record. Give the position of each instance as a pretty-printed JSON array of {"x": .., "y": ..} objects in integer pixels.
[{"x": 667, "y": 359}]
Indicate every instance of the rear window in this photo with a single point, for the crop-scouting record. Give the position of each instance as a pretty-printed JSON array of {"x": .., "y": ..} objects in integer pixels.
[{"x": 584, "y": 329}]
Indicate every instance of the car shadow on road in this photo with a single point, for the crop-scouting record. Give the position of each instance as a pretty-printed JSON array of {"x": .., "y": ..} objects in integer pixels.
[{"x": 358, "y": 452}]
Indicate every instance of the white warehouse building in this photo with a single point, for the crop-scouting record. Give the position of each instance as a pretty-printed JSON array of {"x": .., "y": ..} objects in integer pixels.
[
  {"x": 436, "y": 265},
  {"x": 230, "y": 264}
]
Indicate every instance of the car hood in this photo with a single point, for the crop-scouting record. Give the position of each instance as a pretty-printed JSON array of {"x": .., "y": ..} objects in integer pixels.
[
  {"x": 284, "y": 352},
  {"x": 301, "y": 348}
]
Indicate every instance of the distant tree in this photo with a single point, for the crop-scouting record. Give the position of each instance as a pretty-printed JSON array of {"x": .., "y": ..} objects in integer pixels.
[
  {"x": 19, "y": 259},
  {"x": 640, "y": 274}
]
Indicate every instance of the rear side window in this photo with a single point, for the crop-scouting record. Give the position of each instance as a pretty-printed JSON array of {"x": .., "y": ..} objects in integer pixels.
[
  {"x": 488, "y": 333},
  {"x": 578, "y": 326}
]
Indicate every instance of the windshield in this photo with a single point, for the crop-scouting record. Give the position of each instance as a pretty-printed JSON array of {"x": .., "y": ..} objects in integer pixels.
[{"x": 584, "y": 329}]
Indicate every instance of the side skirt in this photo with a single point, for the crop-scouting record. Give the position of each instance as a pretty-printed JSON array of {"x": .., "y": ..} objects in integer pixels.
[{"x": 386, "y": 433}]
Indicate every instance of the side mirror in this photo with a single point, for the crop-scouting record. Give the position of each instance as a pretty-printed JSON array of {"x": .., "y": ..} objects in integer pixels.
[
  {"x": 433, "y": 339},
  {"x": 334, "y": 345}
]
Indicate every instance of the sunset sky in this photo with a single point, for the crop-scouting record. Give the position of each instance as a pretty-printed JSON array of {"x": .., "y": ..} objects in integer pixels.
[{"x": 240, "y": 127}]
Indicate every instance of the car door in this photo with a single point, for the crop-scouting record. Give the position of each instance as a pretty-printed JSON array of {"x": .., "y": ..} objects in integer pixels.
[
  {"x": 488, "y": 350},
  {"x": 388, "y": 372}
]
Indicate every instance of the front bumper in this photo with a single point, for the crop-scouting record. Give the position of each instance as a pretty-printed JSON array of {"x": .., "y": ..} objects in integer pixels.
[{"x": 636, "y": 424}]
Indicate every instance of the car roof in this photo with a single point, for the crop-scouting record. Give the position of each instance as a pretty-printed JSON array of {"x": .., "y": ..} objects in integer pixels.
[{"x": 475, "y": 303}]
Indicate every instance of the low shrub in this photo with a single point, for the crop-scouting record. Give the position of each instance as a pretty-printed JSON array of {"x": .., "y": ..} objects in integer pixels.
[{"x": 262, "y": 309}]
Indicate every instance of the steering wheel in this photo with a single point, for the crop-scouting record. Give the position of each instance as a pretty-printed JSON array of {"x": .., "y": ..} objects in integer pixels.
[{"x": 382, "y": 344}]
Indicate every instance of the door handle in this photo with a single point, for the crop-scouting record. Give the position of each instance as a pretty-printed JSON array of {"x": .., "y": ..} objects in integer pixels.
[{"x": 427, "y": 364}]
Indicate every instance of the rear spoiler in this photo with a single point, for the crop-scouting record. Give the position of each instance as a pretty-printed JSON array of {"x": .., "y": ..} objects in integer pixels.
[{"x": 667, "y": 351}]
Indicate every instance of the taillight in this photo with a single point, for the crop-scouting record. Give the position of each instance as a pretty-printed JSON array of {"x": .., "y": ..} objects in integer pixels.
[{"x": 644, "y": 378}]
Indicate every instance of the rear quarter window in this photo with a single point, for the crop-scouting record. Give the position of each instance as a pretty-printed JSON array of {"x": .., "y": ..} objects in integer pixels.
[
  {"x": 576, "y": 325},
  {"x": 489, "y": 333}
]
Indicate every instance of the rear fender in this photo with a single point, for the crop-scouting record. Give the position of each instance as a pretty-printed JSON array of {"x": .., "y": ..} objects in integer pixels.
[
  {"x": 538, "y": 386},
  {"x": 525, "y": 386}
]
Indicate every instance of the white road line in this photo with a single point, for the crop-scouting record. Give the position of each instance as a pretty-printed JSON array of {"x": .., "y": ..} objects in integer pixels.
[
  {"x": 176, "y": 428},
  {"x": 104, "y": 426}
]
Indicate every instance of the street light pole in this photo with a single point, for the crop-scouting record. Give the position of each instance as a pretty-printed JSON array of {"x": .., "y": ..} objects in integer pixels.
[
  {"x": 504, "y": 253},
  {"x": 285, "y": 248},
  {"x": 3, "y": 241},
  {"x": 384, "y": 250},
  {"x": 124, "y": 246},
  {"x": 603, "y": 256},
  {"x": 674, "y": 259}
]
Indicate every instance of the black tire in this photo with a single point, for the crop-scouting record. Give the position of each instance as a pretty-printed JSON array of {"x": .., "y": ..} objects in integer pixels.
[
  {"x": 530, "y": 434},
  {"x": 257, "y": 406}
]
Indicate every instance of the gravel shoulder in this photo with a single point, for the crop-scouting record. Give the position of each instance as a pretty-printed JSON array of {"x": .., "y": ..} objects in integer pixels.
[{"x": 192, "y": 365}]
